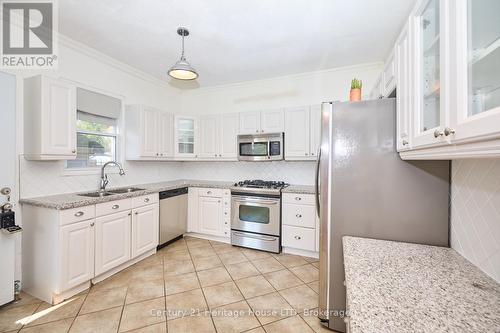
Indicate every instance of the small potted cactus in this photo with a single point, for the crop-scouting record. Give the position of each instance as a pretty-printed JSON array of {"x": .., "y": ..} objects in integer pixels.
[{"x": 355, "y": 94}]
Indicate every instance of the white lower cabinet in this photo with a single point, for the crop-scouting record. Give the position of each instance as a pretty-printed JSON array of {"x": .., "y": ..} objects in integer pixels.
[
  {"x": 77, "y": 254},
  {"x": 112, "y": 241},
  {"x": 210, "y": 215},
  {"x": 299, "y": 224},
  {"x": 144, "y": 229},
  {"x": 209, "y": 211},
  {"x": 63, "y": 250}
]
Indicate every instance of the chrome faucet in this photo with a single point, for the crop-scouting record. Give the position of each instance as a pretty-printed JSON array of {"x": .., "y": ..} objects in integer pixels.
[{"x": 104, "y": 177}]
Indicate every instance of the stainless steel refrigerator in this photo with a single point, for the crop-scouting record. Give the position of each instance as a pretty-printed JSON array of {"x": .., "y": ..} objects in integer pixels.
[{"x": 364, "y": 189}]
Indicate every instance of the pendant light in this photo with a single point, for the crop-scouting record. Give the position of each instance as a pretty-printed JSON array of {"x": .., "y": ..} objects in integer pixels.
[{"x": 182, "y": 70}]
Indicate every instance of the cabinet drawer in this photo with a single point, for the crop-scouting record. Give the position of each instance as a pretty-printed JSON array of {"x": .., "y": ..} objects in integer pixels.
[
  {"x": 299, "y": 215},
  {"x": 210, "y": 192},
  {"x": 299, "y": 238},
  {"x": 144, "y": 200},
  {"x": 68, "y": 216},
  {"x": 303, "y": 199},
  {"x": 111, "y": 207}
]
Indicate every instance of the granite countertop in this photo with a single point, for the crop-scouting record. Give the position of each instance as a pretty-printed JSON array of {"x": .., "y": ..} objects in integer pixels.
[
  {"x": 403, "y": 287},
  {"x": 73, "y": 200},
  {"x": 299, "y": 189}
]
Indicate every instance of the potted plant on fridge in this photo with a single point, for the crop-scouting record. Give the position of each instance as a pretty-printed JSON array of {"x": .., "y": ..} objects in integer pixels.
[{"x": 355, "y": 94}]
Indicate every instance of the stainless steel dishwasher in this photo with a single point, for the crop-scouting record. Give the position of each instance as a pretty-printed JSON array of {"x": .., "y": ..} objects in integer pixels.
[{"x": 173, "y": 215}]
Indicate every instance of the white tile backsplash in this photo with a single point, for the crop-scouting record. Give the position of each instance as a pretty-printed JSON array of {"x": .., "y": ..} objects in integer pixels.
[
  {"x": 475, "y": 212},
  {"x": 46, "y": 178}
]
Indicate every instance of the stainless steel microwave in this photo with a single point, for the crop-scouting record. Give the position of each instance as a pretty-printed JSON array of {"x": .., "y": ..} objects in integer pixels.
[{"x": 260, "y": 147}]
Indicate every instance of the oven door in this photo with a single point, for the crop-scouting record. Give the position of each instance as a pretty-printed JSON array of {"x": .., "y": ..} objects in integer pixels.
[{"x": 256, "y": 214}]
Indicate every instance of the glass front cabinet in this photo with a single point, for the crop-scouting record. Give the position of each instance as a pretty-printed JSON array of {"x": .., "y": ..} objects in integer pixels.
[
  {"x": 186, "y": 137},
  {"x": 455, "y": 80},
  {"x": 476, "y": 95},
  {"x": 429, "y": 102}
]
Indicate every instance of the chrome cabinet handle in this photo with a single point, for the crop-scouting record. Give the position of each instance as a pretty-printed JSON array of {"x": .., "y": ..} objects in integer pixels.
[
  {"x": 298, "y": 216},
  {"x": 92, "y": 224},
  {"x": 78, "y": 214},
  {"x": 115, "y": 207},
  {"x": 297, "y": 237},
  {"x": 146, "y": 200},
  {"x": 136, "y": 213},
  {"x": 209, "y": 192},
  {"x": 438, "y": 133},
  {"x": 298, "y": 198},
  {"x": 405, "y": 142},
  {"x": 448, "y": 131},
  {"x": 215, "y": 155},
  {"x": 73, "y": 151},
  {"x": 306, "y": 154}
]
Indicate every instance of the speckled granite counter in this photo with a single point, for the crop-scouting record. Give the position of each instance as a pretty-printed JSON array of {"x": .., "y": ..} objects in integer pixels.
[
  {"x": 401, "y": 287},
  {"x": 73, "y": 200},
  {"x": 299, "y": 189}
]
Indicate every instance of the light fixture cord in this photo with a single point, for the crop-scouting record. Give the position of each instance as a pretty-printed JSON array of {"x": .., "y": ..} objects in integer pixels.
[{"x": 182, "y": 54}]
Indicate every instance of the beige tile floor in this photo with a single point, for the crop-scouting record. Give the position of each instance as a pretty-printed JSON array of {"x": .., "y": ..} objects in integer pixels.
[{"x": 192, "y": 285}]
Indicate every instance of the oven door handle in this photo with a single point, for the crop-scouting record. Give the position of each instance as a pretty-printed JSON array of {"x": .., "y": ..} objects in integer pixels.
[
  {"x": 264, "y": 238},
  {"x": 256, "y": 201}
]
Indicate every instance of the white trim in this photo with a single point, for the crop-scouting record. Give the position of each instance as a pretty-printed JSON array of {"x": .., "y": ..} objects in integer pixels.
[
  {"x": 299, "y": 252},
  {"x": 101, "y": 57},
  {"x": 226, "y": 240}
]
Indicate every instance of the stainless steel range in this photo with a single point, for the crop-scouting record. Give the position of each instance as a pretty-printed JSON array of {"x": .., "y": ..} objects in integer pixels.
[{"x": 256, "y": 214}]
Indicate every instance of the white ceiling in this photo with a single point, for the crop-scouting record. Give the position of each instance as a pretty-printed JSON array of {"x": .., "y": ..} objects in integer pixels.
[{"x": 237, "y": 40}]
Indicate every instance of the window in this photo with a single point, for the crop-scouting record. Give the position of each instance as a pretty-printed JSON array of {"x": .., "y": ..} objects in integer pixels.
[{"x": 96, "y": 138}]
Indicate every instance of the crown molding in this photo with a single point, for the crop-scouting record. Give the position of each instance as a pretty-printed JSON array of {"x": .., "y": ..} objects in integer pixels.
[
  {"x": 203, "y": 90},
  {"x": 101, "y": 57}
]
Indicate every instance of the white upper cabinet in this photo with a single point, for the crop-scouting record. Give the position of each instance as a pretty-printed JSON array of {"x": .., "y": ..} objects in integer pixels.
[
  {"x": 150, "y": 143},
  {"x": 297, "y": 132},
  {"x": 315, "y": 130},
  {"x": 402, "y": 57},
  {"x": 230, "y": 124},
  {"x": 149, "y": 133},
  {"x": 267, "y": 121},
  {"x": 302, "y": 132},
  {"x": 454, "y": 80},
  {"x": 49, "y": 119},
  {"x": 429, "y": 86},
  {"x": 250, "y": 122},
  {"x": 209, "y": 146},
  {"x": 476, "y": 34},
  {"x": 186, "y": 129},
  {"x": 166, "y": 134},
  {"x": 272, "y": 121}
]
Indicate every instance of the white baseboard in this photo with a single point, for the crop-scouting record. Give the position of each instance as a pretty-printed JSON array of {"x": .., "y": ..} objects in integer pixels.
[
  {"x": 299, "y": 252},
  {"x": 226, "y": 240}
]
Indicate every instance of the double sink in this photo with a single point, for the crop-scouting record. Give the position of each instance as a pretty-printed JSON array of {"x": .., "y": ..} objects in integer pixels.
[{"x": 101, "y": 194}]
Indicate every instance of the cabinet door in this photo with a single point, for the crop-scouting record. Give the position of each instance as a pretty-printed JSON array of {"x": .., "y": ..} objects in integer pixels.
[
  {"x": 429, "y": 87},
  {"x": 230, "y": 125},
  {"x": 77, "y": 254},
  {"x": 476, "y": 33},
  {"x": 210, "y": 216},
  {"x": 272, "y": 121},
  {"x": 58, "y": 118},
  {"x": 145, "y": 228},
  {"x": 149, "y": 133},
  {"x": 250, "y": 122},
  {"x": 185, "y": 136},
  {"x": 209, "y": 136},
  {"x": 315, "y": 130},
  {"x": 297, "y": 133},
  {"x": 166, "y": 134},
  {"x": 403, "y": 91},
  {"x": 112, "y": 241}
]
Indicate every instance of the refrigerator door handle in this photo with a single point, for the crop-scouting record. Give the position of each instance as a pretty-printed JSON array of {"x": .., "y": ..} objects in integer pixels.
[{"x": 316, "y": 182}]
